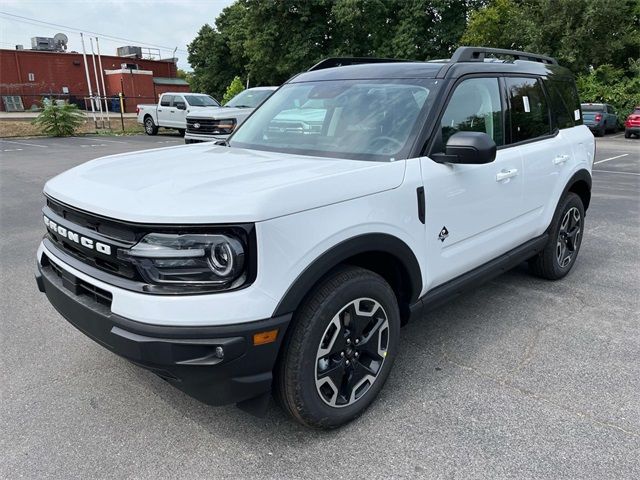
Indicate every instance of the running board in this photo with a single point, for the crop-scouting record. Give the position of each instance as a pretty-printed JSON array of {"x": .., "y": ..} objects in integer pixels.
[{"x": 451, "y": 289}]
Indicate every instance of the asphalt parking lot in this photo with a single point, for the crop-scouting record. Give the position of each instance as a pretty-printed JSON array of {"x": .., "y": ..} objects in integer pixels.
[{"x": 522, "y": 378}]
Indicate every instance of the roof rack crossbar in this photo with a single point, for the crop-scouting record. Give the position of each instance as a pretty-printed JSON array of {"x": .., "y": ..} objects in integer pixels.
[
  {"x": 478, "y": 54},
  {"x": 344, "y": 61}
]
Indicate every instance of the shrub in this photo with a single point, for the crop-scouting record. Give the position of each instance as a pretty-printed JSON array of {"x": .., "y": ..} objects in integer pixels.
[
  {"x": 232, "y": 90},
  {"x": 59, "y": 120}
]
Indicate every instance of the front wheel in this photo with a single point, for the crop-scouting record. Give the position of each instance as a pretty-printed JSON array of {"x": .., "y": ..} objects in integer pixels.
[
  {"x": 181, "y": 132},
  {"x": 565, "y": 237},
  {"x": 341, "y": 349}
]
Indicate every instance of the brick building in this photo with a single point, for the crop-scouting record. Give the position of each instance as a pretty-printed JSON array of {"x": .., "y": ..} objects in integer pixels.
[{"x": 33, "y": 75}]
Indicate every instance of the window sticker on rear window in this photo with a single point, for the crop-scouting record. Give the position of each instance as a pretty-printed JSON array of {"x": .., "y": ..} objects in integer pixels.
[{"x": 576, "y": 114}]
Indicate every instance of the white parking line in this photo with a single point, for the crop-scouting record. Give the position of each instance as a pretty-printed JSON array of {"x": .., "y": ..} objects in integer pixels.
[
  {"x": 619, "y": 173},
  {"x": 609, "y": 159},
  {"x": 12, "y": 150},
  {"x": 24, "y": 143},
  {"x": 95, "y": 138}
]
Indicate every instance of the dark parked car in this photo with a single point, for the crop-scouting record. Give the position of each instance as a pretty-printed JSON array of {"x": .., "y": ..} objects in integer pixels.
[
  {"x": 632, "y": 125},
  {"x": 600, "y": 118}
]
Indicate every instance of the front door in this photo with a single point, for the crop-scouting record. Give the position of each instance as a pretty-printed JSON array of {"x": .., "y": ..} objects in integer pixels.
[{"x": 473, "y": 212}]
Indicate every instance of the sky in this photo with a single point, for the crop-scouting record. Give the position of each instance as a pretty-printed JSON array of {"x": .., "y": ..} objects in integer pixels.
[{"x": 164, "y": 23}]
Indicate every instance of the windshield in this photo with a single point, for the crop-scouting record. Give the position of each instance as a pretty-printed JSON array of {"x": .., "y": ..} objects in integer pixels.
[
  {"x": 249, "y": 98},
  {"x": 594, "y": 107},
  {"x": 201, "y": 101},
  {"x": 355, "y": 119}
]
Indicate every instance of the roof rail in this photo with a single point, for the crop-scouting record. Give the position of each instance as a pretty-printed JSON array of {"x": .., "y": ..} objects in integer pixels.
[
  {"x": 478, "y": 54},
  {"x": 344, "y": 61}
]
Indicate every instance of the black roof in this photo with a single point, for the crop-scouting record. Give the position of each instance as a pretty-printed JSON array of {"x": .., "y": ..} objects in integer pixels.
[{"x": 464, "y": 61}]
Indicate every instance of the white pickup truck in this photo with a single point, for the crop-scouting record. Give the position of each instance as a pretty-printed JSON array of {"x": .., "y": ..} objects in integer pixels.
[
  {"x": 212, "y": 124},
  {"x": 171, "y": 111}
]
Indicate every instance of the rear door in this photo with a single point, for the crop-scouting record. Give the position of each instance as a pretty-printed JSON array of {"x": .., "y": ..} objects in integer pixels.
[
  {"x": 547, "y": 154},
  {"x": 472, "y": 211},
  {"x": 165, "y": 110}
]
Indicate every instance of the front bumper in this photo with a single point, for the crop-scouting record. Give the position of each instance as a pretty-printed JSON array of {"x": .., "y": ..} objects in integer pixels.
[
  {"x": 195, "y": 138},
  {"x": 187, "y": 357}
]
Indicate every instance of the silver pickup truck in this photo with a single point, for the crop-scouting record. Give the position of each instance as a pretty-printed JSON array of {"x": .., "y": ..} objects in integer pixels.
[
  {"x": 171, "y": 111},
  {"x": 212, "y": 124}
]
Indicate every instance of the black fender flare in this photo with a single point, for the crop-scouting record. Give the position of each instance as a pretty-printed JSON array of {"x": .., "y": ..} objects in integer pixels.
[
  {"x": 581, "y": 175},
  {"x": 325, "y": 263}
]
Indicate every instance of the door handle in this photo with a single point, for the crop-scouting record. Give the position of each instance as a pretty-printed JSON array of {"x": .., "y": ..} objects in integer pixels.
[
  {"x": 504, "y": 174},
  {"x": 560, "y": 159},
  {"x": 159, "y": 110}
]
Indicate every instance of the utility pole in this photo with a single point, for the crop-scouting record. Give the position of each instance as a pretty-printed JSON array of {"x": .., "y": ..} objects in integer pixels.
[
  {"x": 86, "y": 71},
  {"x": 104, "y": 90}
]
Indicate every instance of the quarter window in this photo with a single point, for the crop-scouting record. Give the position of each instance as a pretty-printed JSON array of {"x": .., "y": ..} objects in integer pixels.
[
  {"x": 528, "y": 109},
  {"x": 565, "y": 105},
  {"x": 474, "y": 107}
]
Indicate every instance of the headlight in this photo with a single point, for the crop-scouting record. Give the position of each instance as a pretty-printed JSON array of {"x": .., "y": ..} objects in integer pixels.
[
  {"x": 216, "y": 261},
  {"x": 223, "y": 127}
]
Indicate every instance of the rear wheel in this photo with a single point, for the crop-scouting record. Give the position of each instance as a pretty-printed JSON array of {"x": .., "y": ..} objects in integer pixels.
[
  {"x": 627, "y": 134},
  {"x": 565, "y": 237},
  {"x": 601, "y": 131},
  {"x": 150, "y": 127},
  {"x": 181, "y": 132},
  {"x": 341, "y": 349}
]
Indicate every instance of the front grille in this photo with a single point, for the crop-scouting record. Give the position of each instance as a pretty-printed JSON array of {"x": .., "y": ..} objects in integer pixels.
[
  {"x": 207, "y": 127},
  {"x": 115, "y": 234},
  {"x": 77, "y": 285}
]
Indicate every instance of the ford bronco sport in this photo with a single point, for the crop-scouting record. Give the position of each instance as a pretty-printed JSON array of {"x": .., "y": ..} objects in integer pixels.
[{"x": 359, "y": 194}]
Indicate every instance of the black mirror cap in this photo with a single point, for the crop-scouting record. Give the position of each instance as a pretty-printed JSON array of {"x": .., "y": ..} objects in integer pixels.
[
  {"x": 470, "y": 148},
  {"x": 181, "y": 106}
]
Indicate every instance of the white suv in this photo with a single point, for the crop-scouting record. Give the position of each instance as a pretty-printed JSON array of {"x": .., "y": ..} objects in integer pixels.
[{"x": 359, "y": 194}]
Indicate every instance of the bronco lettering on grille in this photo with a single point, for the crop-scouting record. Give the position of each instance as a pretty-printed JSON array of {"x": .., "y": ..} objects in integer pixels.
[{"x": 76, "y": 237}]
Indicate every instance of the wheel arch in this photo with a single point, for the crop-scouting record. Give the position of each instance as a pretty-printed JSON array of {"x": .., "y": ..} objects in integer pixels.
[
  {"x": 384, "y": 254},
  {"x": 580, "y": 184}
]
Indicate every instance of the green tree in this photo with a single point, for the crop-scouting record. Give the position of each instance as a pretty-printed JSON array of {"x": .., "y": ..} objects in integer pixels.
[
  {"x": 234, "y": 88},
  {"x": 580, "y": 33},
  {"x": 59, "y": 120}
]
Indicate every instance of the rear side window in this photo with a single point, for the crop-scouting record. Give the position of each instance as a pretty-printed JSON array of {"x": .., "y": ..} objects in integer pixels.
[
  {"x": 474, "y": 107},
  {"x": 528, "y": 109},
  {"x": 166, "y": 100},
  {"x": 565, "y": 105}
]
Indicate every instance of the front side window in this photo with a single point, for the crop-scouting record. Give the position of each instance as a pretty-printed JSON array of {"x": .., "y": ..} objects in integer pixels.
[
  {"x": 201, "y": 101},
  {"x": 474, "y": 107},
  {"x": 528, "y": 109},
  {"x": 353, "y": 119}
]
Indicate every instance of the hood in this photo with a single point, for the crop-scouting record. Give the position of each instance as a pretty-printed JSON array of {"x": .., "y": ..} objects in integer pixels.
[
  {"x": 206, "y": 183},
  {"x": 219, "y": 112}
]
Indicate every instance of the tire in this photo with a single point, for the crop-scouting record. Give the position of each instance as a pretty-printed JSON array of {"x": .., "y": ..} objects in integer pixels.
[
  {"x": 565, "y": 237},
  {"x": 350, "y": 322},
  {"x": 627, "y": 134},
  {"x": 181, "y": 132},
  {"x": 150, "y": 127}
]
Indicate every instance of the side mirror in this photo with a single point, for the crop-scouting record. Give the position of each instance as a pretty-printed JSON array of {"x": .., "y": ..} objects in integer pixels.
[
  {"x": 468, "y": 148},
  {"x": 181, "y": 106}
]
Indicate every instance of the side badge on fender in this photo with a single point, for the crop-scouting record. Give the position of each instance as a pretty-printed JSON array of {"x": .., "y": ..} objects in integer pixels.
[{"x": 444, "y": 233}]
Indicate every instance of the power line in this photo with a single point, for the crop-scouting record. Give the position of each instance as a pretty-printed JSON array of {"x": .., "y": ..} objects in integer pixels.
[{"x": 113, "y": 37}]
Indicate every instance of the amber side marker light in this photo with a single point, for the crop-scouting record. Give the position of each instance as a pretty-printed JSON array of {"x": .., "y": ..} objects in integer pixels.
[{"x": 263, "y": 338}]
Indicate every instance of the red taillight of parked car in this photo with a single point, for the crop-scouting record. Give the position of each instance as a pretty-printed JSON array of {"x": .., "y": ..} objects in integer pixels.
[
  {"x": 632, "y": 121},
  {"x": 137, "y": 110},
  {"x": 598, "y": 117}
]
